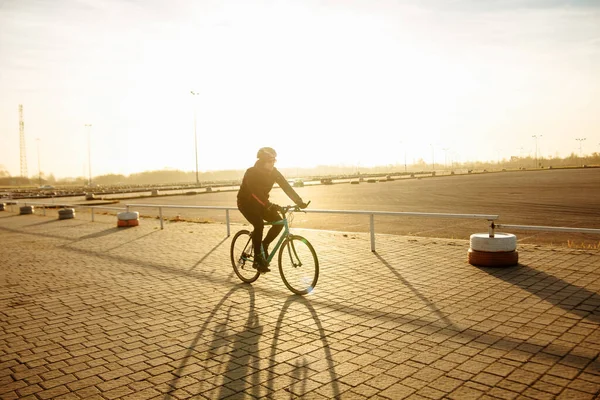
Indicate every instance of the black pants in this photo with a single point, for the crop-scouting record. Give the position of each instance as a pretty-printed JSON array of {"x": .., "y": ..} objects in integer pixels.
[{"x": 257, "y": 216}]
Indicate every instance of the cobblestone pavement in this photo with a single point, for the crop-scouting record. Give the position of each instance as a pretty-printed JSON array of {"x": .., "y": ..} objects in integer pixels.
[{"x": 92, "y": 311}]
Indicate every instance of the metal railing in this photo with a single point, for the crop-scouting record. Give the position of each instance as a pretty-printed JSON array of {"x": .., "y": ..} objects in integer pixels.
[
  {"x": 549, "y": 228},
  {"x": 161, "y": 206},
  {"x": 488, "y": 217},
  {"x": 371, "y": 214}
]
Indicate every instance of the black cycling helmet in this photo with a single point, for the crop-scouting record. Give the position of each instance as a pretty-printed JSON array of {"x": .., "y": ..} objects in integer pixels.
[{"x": 265, "y": 153}]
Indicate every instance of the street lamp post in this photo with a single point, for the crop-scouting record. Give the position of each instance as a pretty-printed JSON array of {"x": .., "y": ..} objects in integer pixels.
[
  {"x": 520, "y": 157},
  {"x": 454, "y": 159},
  {"x": 580, "y": 140},
  {"x": 89, "y": 129},
  {"x": 195, "y": 136},
  {"x": 445, "y": 157},
  {"x": 39, "y": 169},
  {"x": 404, "y": 157},
  {"x": 536, "y": 148}
]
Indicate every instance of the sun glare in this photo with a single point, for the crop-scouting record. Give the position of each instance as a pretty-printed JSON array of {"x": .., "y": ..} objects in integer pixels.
[{"x": 359, "y": 84}]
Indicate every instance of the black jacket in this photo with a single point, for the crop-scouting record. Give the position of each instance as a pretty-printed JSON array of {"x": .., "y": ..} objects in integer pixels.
[{"x": 257, "y": 185}]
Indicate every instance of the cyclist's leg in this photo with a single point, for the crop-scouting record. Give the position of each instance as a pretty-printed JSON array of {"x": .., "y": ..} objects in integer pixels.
[
  {"x": 271, "y": 216},
  {"x": 254, "y": 216}
]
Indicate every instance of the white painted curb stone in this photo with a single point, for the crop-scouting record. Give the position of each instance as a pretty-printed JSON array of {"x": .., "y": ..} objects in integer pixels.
[
  {"x": 128, "y": 215},
  {"x": 501, "y": 242}
]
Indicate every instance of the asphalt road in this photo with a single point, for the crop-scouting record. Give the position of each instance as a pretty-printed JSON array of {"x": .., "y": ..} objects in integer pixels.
[{"x": 565, "y": 198}]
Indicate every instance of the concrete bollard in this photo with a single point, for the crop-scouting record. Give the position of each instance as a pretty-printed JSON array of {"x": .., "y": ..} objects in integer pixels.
[
  {"x": 497, "y": 251},
  {"x": 128, "y": 218},
  {"x": 26, "y": 210},
  {"x": 66, "y": 213}
]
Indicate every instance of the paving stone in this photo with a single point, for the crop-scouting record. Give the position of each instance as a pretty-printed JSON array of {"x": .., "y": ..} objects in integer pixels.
[
  {"x": 68, "y": 396},
  {"x": 501, "y": 393},
  {"x": 500, "y": 369},
  {"x": 52, "y": 393},
  {"x": 460, "y": 375},
  {"x": 511, "y": 385},
  {"x": 538, "y": 394},
  {"x": 487, "y": 379},
  {"x": 547, "y": 384},
  {"x": 382, "y": 381},
  {"x": 144, "y": 394},
  {"x": 586, "y": 386},
  {"x": 473, "y": 366},
  {"x": 363, "y": 391},
  {"x": 465, "y": 393},
  {"x": 445, "y": 384},
  {"x": 575, "y": 394},
  {"x": 563, "y": 371},
  {"x": 428, "y": 374},
  {"x": 27, "y": 390},
  {"x": 397, "y": 391}
]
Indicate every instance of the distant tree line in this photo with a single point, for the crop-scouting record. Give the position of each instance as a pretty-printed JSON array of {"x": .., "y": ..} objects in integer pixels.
[{"x": 189, "y": 177}]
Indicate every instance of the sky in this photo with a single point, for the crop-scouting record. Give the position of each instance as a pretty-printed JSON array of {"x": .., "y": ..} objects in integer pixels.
[{"x": 324, "y": 82}]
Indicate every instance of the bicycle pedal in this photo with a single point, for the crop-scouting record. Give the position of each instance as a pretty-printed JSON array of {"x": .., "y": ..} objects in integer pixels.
[{"x": 261, "y": 270}]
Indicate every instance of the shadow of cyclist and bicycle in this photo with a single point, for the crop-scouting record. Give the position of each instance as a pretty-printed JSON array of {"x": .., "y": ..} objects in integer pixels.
[{"x": 232, "y": 338}]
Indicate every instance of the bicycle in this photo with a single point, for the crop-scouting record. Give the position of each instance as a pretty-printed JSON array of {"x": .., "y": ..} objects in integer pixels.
[{"x": 297, "y": 259}]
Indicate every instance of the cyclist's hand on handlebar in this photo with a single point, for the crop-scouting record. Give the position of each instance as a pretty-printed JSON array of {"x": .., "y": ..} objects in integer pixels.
[
  {"x": 303, "y": 205},
  {"x": 276, "y": 207}
]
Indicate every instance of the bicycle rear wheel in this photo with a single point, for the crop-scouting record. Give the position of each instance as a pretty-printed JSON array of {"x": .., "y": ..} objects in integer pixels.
[
  {"x": 298, "y": 265},
  {"x": 242, "y": 257}
]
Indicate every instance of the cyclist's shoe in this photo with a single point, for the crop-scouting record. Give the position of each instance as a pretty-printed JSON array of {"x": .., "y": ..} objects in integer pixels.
[{"x": 261, "y": 265}]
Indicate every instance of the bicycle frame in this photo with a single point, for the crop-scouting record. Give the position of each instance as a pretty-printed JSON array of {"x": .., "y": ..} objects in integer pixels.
[{"x": 282, "y": 237}]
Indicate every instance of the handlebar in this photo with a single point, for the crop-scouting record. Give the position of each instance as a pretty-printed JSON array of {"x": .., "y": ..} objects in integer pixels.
[{"x": 294, "y": 208}]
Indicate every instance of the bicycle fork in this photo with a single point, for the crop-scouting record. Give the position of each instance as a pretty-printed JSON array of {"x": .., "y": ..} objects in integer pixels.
[{"x": 293, "y": 254}]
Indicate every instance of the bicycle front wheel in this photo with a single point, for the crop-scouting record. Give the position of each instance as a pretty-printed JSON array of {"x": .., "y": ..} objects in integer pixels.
[
  {"x": 298, "y": 265},
  {"x": 242, "y": 257}
]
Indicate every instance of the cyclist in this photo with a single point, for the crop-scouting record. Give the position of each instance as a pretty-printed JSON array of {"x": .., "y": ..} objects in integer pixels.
[{"x": 253, "y": 202}]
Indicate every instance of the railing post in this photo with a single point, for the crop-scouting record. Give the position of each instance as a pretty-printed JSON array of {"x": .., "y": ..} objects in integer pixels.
[
  {"x": 92, "y": 209},
  {"x": 160, "y": 217},
  {"x": 227, "y": 220},
  {"x": 372, "y": 223}
]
